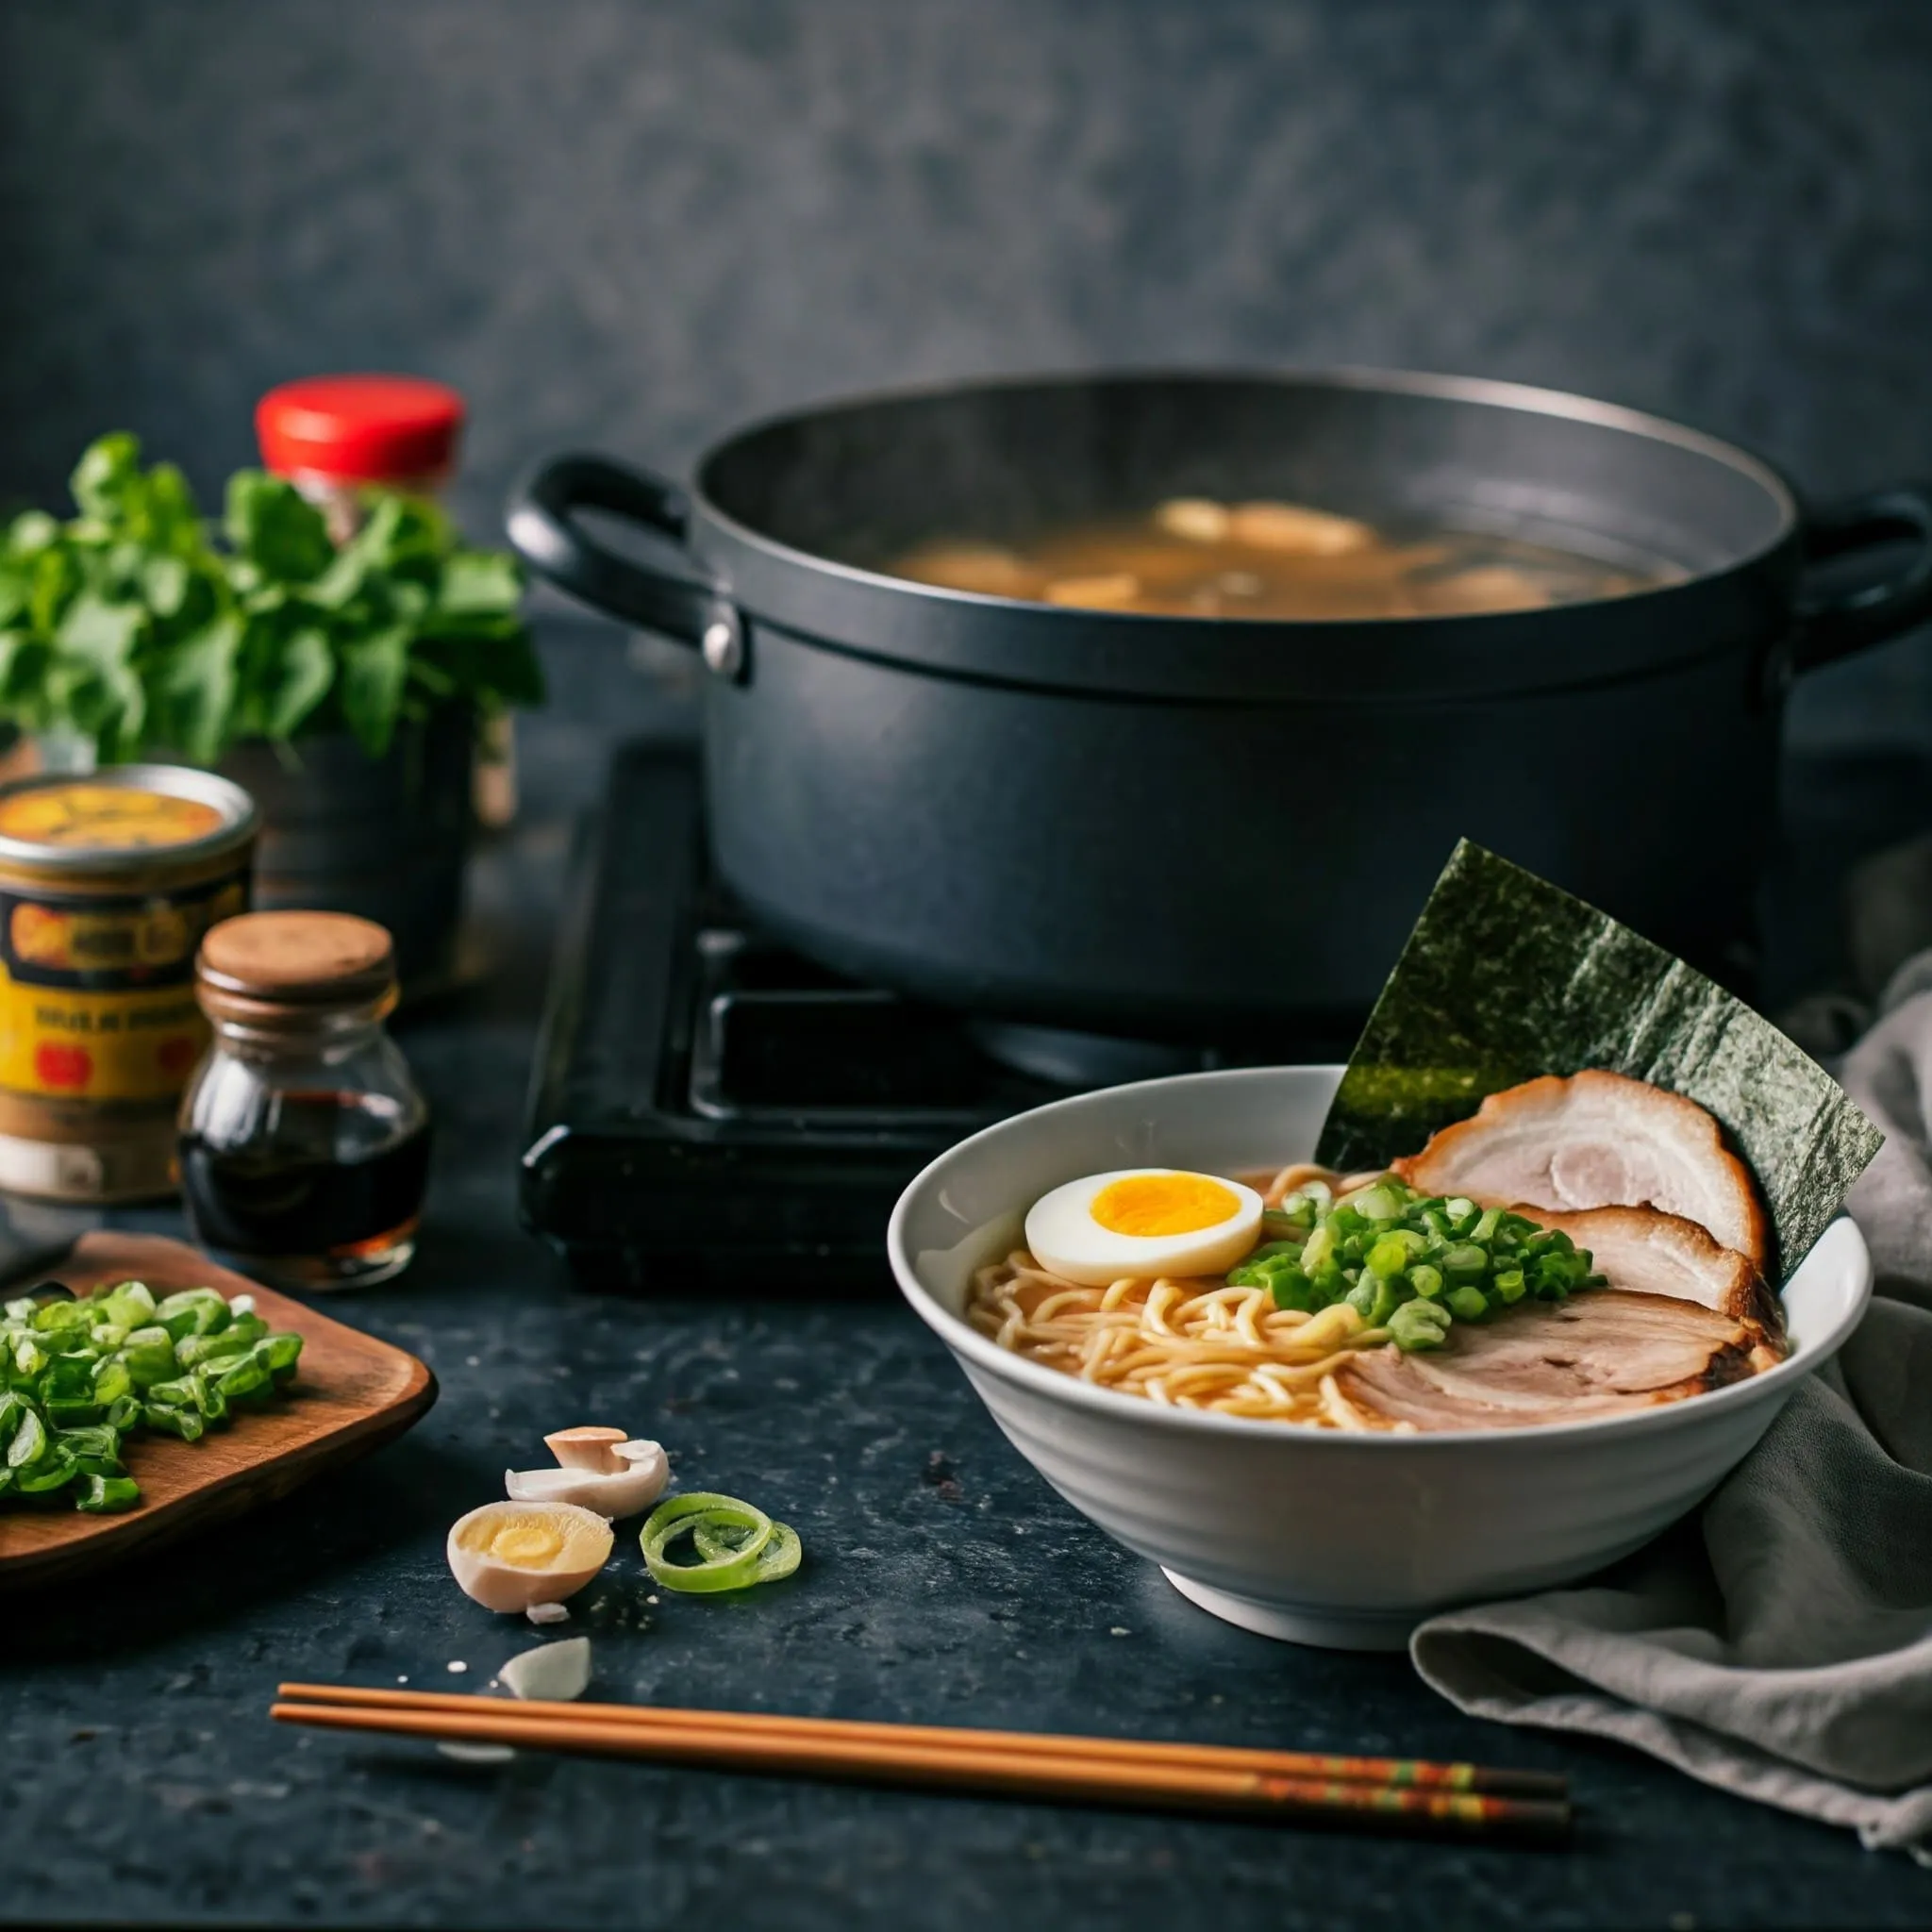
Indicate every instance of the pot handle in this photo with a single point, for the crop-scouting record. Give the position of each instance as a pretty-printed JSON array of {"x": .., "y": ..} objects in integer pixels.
[
  {"x": 545, "y": 532},
  {"x": 1833, "y": 624}
]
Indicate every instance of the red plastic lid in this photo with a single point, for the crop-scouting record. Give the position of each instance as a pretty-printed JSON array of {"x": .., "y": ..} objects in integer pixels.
[{"x": 363, "y": 428}]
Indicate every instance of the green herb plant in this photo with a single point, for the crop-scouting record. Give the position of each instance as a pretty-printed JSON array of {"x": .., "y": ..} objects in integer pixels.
[
  {"x": 134, "y": 627},
  {"x": 1412, "y": 1263},
  {"x": 77, "y": 1378}
]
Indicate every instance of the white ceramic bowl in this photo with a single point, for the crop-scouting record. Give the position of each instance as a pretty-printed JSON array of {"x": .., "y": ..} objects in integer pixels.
[{"x": 1317, "y": 1535}]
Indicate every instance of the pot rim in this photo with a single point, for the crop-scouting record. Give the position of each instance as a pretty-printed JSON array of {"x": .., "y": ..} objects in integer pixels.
[{"x": 1490, "y": 392}]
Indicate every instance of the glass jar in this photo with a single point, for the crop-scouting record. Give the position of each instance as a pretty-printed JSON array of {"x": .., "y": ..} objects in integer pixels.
[
  {"x": 304, "y": 1139},
  {"x": 332, "y": 436}
]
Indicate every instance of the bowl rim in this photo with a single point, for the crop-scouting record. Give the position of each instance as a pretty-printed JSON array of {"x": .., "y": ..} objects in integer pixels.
[{"x": 968, "y": 1343}]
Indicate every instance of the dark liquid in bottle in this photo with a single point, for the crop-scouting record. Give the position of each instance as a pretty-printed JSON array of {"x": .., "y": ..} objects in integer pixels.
[{"x": 310, "y": 1191}]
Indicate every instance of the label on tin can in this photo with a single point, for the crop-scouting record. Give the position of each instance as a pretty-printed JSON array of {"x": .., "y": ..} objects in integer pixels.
[
  {"x": 97, "y": 994},
  {"x": 108, "y": 883}
]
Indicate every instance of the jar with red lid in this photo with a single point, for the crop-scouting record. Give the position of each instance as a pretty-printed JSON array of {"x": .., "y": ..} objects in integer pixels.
[{"x": 333, "y": 437}]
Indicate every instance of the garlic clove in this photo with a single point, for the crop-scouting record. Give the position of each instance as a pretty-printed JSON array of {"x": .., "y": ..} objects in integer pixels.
[
  {"x": 640, "y": 1471},
  {"x": 553, "y": 1673},
  {"x": 585, "y": 1448},
  {"x": 509, "y": 1555}
]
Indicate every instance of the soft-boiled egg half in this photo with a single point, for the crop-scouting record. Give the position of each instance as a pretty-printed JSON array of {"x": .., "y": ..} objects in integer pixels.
[
  {"x": 511, "y": 1556},
  {"x": 1142, "y": 1221}
]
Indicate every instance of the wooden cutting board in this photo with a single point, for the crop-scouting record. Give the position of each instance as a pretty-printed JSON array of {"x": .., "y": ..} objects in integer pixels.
[{"x": 350, "y": 1394}]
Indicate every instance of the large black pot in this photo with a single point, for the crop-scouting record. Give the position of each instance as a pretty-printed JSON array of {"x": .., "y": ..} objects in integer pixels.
[{"x": 1203, "y": 829}]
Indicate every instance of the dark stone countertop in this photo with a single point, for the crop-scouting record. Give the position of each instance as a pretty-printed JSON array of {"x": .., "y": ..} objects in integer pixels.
[{"x": 143, "y": 1783}]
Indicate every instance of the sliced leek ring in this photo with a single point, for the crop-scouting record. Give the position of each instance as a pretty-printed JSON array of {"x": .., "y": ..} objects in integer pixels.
[
  {"x": 779, "y": 1557},
  {"x": 737, "y": 1545}
]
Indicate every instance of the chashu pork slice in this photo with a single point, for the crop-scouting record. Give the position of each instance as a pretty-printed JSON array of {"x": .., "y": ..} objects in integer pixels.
[
  {"x": 1650, "y": 1252},
  {"x": 1606, "y": 1351},
  {"x": 1597, "y": 1140}
]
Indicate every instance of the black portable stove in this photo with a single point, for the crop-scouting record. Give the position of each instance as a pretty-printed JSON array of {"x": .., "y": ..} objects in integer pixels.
[{"x": 707, "y": 1104}]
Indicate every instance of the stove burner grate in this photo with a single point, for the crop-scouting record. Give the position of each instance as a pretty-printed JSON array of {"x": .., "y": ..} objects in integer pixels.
[{"x": 707, "y": 1107}]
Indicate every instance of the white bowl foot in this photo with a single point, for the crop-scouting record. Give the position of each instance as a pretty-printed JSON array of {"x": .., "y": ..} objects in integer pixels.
[{"x": 1298, "y": 1624}]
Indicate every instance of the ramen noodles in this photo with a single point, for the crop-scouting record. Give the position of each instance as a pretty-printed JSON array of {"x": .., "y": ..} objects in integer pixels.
[{"x": 1630, "y": 1271}]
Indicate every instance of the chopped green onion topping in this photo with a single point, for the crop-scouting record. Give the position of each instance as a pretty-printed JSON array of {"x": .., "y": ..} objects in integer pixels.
[
  {"x": 1418, "y": 1325},
  {"x": 1386, "y": 1250},
  {"x": 1378, "y": 1203}
]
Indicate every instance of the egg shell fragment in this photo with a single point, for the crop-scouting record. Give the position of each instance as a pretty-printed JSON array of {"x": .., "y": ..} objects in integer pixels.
[
  {"x": 587, "y": 1447},
  {"x": 634, "y": 1480}
]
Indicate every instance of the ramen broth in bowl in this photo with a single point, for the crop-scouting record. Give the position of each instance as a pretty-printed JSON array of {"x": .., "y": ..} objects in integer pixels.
[
  {"x": 1327, "y": 1520},
  {"x": 1196, "y": 556}
]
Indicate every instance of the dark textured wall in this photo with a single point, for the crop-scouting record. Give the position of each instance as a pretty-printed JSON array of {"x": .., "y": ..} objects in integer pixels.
[{"x": 633, "y": 223}]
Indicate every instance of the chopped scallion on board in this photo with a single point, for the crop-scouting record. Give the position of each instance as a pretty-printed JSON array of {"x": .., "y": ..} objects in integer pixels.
[{"x": 79, "y": 1377}]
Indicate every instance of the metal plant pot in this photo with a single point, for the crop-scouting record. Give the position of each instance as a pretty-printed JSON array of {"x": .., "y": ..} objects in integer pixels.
[{"x": 386, "y": 837}]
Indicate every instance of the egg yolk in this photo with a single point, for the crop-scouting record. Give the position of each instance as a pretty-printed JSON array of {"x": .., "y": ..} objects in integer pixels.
[
  {"x": 525, "y": 1540},
  {"x": 1157, "y": 1204},
  {"x": 528, "y": 1544}
]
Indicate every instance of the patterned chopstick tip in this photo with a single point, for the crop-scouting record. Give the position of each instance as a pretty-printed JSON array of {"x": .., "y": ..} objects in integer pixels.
[
  {"x": 1413, "y": 1801},
  {"x": 1398, "y": 1770}
]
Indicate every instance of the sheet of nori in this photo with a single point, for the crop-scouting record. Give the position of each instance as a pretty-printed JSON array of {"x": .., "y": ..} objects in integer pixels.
[{"x": 1505, "y": 976}]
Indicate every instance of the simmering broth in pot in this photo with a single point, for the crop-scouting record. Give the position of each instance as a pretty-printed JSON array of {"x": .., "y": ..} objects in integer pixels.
[{"x": 1192, "y": 556}]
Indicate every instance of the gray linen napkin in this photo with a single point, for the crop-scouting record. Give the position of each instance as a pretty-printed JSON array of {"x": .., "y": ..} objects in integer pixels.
[{"x": 1779, "y": 1645}]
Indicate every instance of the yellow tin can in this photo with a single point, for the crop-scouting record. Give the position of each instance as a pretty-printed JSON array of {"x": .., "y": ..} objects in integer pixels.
[{"x": 106, "y": 884}]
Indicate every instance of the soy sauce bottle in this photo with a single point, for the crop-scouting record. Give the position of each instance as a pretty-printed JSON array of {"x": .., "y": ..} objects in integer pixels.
[{"x": 305, "y": 1143}]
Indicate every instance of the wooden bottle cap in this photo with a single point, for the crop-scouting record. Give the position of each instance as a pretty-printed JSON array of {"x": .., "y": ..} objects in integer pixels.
[{"x": 295, "y": 965}]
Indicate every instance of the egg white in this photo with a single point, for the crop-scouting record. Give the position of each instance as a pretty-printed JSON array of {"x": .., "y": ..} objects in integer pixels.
[
  {"x": 1063, "y": 1235},
  {"x": 501, "y": 1584}
]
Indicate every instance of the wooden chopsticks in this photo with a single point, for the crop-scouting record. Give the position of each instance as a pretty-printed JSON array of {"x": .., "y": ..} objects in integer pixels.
[{"x": 1289, "y": 1786}]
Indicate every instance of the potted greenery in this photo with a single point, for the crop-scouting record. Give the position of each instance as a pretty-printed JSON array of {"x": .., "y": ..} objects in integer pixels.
[{"x": 340, "y": 686}]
